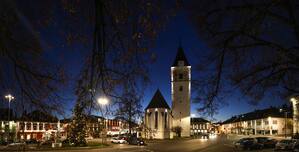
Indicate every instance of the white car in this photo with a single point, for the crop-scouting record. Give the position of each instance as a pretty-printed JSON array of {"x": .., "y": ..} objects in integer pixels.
[
  {"x": 286, "y": 144},
  {"x": 118, "y": 140}
]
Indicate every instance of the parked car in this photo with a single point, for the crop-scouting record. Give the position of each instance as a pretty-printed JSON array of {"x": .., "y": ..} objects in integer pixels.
[
  {"x": 136, "y": 141},
  {"x": 118, "y": 140},
  {"x": 266, "y": 142},
  {"x": 16, "y": 144},
  {"x": 286, "y": 144},
  {"x": 248, "y": 144},
  {"x": 32, "y": 141}
]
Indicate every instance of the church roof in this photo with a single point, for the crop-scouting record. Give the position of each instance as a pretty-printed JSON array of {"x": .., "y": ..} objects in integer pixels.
[
  {"x": 180, "y": 56},
  {"x": 158, "y": 101}
]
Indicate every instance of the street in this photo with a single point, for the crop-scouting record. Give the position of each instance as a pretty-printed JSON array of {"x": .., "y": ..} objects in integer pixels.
[{"x": 220, "y": 144}]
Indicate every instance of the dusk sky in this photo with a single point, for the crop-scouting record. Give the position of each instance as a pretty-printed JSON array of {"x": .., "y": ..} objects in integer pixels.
[{"x": 165, "y": 50}]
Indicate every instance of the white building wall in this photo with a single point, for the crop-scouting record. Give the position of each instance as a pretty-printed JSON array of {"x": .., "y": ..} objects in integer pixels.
[
  {"x": 181, "y": 98},
  {"x": 160, "y": 132},
  {"x": 260, "y": 126}
]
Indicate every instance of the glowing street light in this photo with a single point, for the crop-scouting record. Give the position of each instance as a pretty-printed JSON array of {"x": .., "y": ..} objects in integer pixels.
[
  {"x": 9, "y": 97},
  {"x": 293, "y": 99},
  {"x": 103, "y": 101}
]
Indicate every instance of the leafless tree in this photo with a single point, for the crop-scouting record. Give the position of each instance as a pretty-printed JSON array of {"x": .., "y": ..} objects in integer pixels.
[
  {"x": 24, "y": 71},
  {"x": 255, "y": 49}
]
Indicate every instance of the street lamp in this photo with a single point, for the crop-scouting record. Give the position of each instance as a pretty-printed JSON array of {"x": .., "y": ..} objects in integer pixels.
[
  {"x": 9, "y": 97},
  {"x": 103, "y": 101},
  {"x": 293, "y": 99}
]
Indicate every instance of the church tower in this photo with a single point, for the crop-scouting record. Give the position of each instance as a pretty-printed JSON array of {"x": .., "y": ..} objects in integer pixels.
[{"x": 181, "y": 92}]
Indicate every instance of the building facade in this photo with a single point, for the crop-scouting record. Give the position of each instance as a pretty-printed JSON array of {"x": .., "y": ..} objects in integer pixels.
[
  {"x": 26, "y": 130},
  {"x": 269, "y": 121},
  {"x": 200, "y": 126}
]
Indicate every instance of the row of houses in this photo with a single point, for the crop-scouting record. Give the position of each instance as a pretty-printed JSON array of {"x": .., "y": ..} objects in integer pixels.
[
  {"x": 270, "y": 121},
  {"x": 41, "y": 126}
]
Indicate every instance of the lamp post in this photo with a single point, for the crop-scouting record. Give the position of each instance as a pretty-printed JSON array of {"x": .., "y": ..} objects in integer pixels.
[
  {"x": 103, "y": 101},
  {"x": 9, "y": 97},
  {"x": 285, "y": 121}
]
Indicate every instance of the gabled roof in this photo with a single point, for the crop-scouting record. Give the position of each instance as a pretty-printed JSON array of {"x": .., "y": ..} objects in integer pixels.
[
  {"x": 199, "y": 120},
  {"x": 158, "y": 101},
  {"x": 180, "y": 56}
]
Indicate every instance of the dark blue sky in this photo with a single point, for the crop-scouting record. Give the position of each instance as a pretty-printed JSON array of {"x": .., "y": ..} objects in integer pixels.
[
  {"x": 72, "y": 58},
  {"x": 166, "y": 47}
]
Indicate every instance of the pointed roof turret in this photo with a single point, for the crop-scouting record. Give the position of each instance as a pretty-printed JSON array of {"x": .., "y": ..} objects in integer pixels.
[
  {"x": 158, "y": 101},
  {"x": 180, "y": 56}
]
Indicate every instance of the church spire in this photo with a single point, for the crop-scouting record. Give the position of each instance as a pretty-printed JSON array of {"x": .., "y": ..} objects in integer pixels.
[{"x": 180, "y": 56}]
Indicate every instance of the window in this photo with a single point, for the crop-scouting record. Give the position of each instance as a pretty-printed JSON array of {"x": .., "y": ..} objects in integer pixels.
[
  {"x": 180, "y": 76},
  {"x": 181, "y": 88},
  {"x": 40, "y": 126},
  {"x": 165, "y": 120},
  {"x": 266, "y": 122},
  {"x": 156, "y": 119},
  {"x": 22, "y": 126},
  {"x": 274, "y": 122},
  {"x": 258, "y": 123},
  {"x": 34, "y": 126},
  {"x": 28, "y": 126}
]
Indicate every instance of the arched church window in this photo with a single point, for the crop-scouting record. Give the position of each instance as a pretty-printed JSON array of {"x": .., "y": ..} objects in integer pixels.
[
  {"x": 156, "y": 119},
  {"x": 165, "y": 120},
  {"x": 181, "y": 88}
]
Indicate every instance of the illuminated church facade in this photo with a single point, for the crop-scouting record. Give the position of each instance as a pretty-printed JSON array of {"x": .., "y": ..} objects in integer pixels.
[{"x": 160, "y": 119}]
